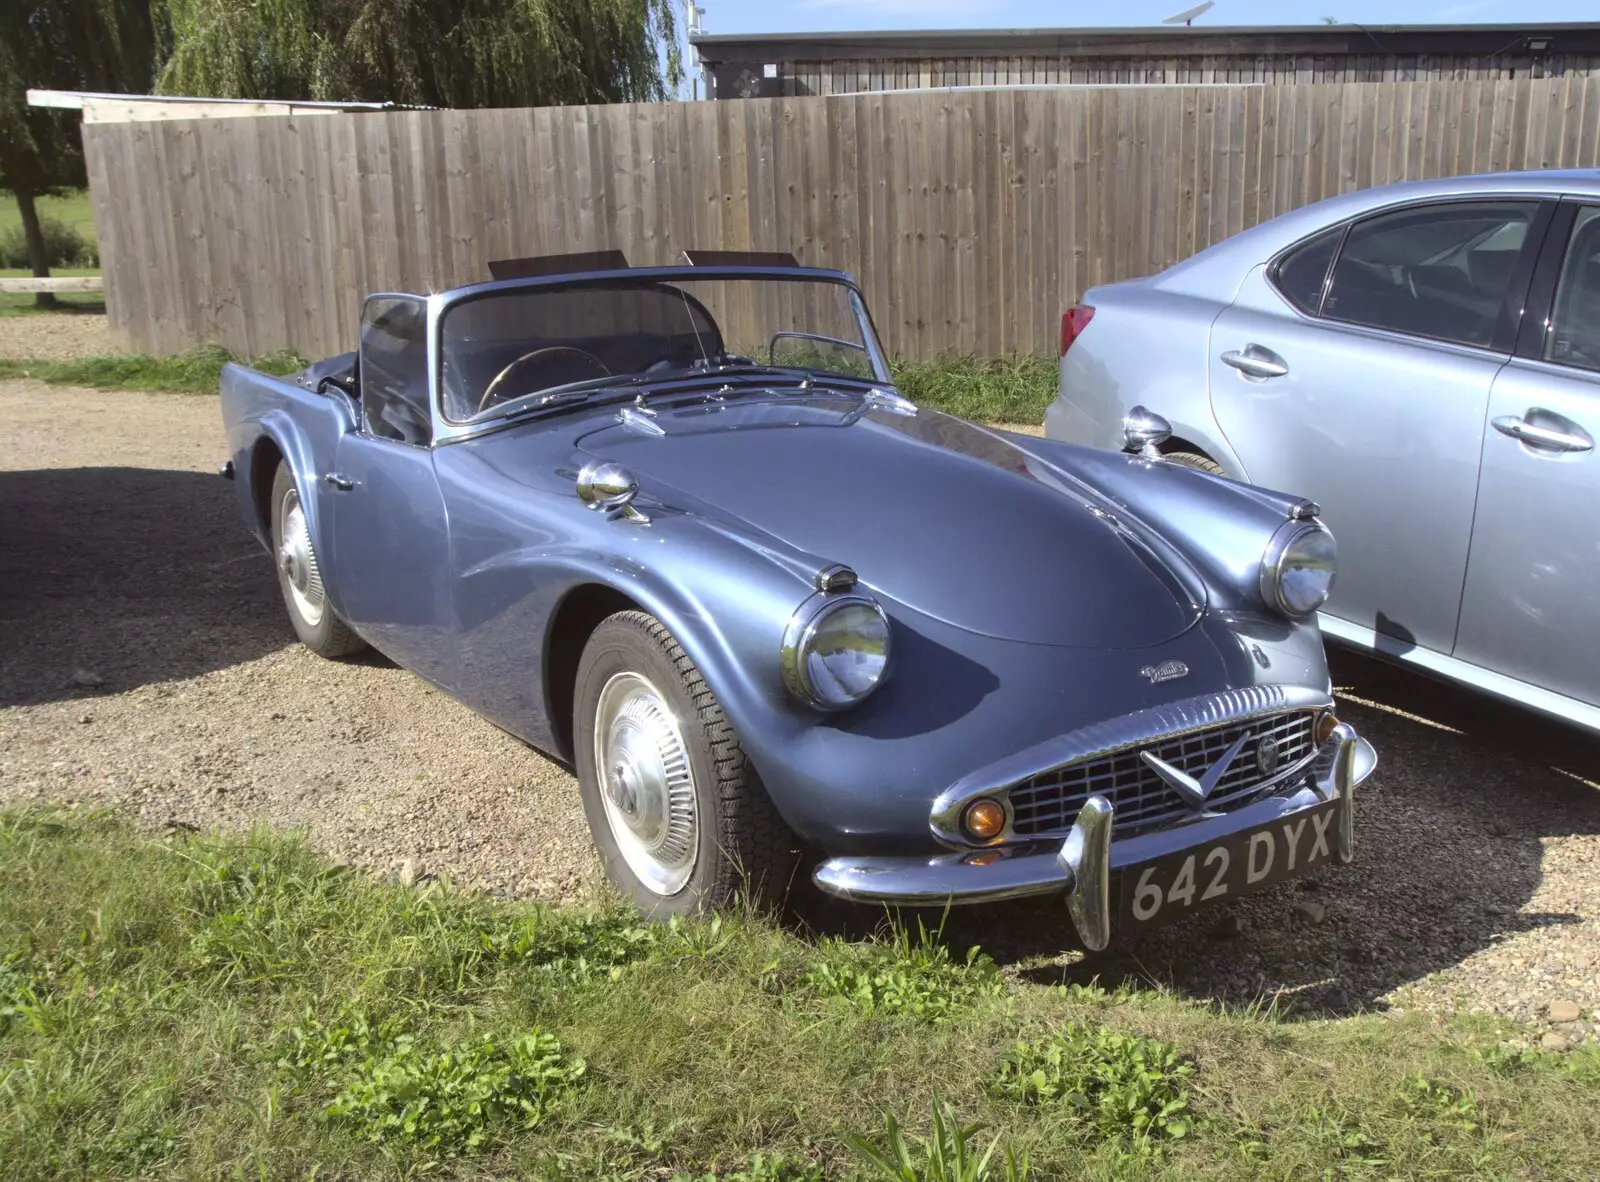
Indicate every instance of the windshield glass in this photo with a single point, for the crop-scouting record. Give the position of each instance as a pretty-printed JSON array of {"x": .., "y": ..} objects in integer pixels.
[{"x": 520, "y": 345}]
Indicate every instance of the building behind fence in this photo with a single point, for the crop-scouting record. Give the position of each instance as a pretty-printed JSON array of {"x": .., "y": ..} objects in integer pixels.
[
  {"x": 971, "y": 218},
  {"x": 739, "y": 65}
]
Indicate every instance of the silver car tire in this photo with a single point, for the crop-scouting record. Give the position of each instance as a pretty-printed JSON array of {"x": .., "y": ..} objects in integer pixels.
[
  {"x": 300, "y": 575},
  {"x": 681, "y": 821}
]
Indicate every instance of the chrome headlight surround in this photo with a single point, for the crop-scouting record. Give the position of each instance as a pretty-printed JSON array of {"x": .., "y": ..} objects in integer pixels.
[
  {"x": 1298, "y": 568},
  {"x": 804, "y": 666}
]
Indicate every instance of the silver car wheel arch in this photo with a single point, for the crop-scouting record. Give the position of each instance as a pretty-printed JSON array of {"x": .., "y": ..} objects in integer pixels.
[{"x": 646, "y": 783}]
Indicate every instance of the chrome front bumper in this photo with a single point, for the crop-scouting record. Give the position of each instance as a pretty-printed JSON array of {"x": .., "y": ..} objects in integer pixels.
[{"x": 1081, "y": 866}]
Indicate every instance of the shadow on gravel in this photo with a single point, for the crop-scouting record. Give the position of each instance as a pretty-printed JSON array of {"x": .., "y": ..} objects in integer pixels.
[
  {"x": 128, "y": 576},
  {"x": 1449, "y": 850}
]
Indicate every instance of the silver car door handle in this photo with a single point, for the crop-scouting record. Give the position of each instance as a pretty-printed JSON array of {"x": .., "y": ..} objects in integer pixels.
[
  {"x": 342, "y": 483},
  {"x": 1254, "y": 365},
  {"x": 1541, "y": 436}
]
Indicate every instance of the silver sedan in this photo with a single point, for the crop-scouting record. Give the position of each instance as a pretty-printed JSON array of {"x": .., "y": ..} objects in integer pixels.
[{"x": 1423, "y": 360}]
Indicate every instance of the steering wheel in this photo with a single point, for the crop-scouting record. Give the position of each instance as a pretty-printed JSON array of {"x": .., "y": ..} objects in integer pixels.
[{"x": 495, "y": 392}]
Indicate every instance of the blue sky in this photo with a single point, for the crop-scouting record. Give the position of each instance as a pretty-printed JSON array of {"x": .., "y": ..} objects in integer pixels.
[{"x": 798, "y": 16}]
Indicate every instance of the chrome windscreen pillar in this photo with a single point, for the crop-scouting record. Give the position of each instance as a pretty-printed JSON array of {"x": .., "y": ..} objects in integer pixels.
[
  {"x": 1086, "y": 855},
  {"x": 1344, "y": 783}
]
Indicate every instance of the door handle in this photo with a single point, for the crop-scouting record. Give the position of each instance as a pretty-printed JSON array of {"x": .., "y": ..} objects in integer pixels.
[
  {"x": 342, "y": 483},
  {"x": 1546, "y": 437},
  {"x": 1256, "y": 362}
]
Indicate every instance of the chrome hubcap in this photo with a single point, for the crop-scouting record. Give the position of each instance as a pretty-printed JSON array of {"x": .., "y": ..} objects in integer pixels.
[
  {"x": 646, "y": 783},
  {"x": 298, "y": 562}
]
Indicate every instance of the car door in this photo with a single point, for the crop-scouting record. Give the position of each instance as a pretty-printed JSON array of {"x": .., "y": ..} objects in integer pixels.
[
  {"x": 390, "y": 534},
  {"x": 1356, "y": 369},
  {"x": 1533, "y": 578}
]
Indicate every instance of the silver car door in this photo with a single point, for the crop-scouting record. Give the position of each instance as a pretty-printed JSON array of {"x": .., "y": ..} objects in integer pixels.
[
  {"x": 391, "y": 543},
  {"x": 1533, "y": 580},
  {"x": 1357, "y": 374}
]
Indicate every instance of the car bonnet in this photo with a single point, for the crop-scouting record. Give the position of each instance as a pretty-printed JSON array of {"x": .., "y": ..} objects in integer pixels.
[{"x": 948, "y": 518}]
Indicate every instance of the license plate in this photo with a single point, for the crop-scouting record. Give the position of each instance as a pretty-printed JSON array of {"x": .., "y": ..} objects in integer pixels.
[{"x": 1167, "y": 888}]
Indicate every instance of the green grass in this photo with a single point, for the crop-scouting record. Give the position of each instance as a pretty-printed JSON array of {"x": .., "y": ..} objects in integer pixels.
[
  {"x": 1015, "y": 391},
  {"x": 994, "y": 391},
  {"x": 198, "y": 372},
  {"x": 74, "y": 209},
  {"x": 230, "y": 1007}
]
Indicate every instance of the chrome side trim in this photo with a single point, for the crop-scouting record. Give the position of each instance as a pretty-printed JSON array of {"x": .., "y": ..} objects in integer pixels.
[
  {"x": 1169, "y": 721},
  {"x": 1520, "y": 693}
]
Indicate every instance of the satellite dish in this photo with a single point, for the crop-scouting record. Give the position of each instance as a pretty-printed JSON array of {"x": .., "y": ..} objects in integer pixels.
[{"x": 1188, "y": 14}]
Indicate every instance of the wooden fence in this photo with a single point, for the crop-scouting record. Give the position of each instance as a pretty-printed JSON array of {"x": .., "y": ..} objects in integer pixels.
[{"x": 971, "y": 218}]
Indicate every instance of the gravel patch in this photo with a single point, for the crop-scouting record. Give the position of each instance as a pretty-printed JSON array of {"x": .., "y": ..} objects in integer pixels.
[
  {"x": 145, "y": 661},
  {"x": 55, "y": 336}
]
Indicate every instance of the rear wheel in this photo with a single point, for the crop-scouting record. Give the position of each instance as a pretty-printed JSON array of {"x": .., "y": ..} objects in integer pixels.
[
  {"x": 680, "y": 819},
  {"x": 1191, "y": 459},
  {"x": 300, "y": 577}
]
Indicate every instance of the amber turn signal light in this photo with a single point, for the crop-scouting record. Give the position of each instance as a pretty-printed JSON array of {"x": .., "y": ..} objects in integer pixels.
[
  {"x": 1325, "y": 726},
  {"x": 983, "y": 819}
]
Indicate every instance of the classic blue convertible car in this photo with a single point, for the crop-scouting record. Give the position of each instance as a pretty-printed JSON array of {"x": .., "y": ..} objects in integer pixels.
[{"x": 677, "y": 527}]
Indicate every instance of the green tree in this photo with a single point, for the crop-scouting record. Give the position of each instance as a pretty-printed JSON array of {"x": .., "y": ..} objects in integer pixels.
[
  {"x": 445, "y": 53},
  {"x": 61, "y": 45}
]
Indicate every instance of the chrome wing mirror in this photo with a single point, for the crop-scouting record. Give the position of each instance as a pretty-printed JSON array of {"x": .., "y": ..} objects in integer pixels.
[
  {"x": 609, "y": 487},
  {"x": 1143, "y": 433}
]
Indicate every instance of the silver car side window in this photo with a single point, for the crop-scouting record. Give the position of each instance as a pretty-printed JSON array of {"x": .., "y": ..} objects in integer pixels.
[
  {"x": 1301, "y": 276},
  {"x": 1438, "y": 271},
  {"x": 1574, "y": 336}
]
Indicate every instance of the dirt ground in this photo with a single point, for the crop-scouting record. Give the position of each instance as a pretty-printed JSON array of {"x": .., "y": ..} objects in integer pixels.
[
  {"x": 55, "y": 336},
  {"x": 145, "y": 661}
]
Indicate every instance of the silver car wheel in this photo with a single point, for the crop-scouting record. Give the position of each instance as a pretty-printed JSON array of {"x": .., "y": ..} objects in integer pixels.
[
  {"x": 646, "y": 783},
  {"x": 298, "y": 561}
]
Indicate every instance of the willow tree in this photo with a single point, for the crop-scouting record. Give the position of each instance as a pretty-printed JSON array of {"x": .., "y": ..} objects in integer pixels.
[
  {"x": 61, "y": 45},
  {"x": 446, "y": 53}
]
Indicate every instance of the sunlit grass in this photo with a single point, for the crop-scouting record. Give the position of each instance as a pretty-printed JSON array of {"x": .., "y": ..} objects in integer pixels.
[
  {"x": 236, "y": 1007},
  {"x": 198, "y": 372}
]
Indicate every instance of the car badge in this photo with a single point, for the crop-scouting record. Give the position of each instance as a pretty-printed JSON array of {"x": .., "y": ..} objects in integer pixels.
[
  {"x": 1166, "y": 671},
  {"x": 1195, "y": 792},
  {"x": 1267, "y": 753}
]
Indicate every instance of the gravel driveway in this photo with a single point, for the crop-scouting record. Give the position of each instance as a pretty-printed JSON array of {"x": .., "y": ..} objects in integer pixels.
[{"x": 145, "y": 660}]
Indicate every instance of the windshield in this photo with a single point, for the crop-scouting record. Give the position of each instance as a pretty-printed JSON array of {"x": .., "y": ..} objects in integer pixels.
[{"x": 522, "y": 345}]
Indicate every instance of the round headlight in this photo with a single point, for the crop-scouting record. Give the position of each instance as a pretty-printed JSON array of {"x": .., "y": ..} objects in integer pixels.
[
  {"x": 1298, "y": 568},
  {"x": 835, "y": 650}
]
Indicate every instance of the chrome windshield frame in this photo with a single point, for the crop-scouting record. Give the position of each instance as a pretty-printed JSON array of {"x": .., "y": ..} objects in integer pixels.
[{"x": 440, "y": 303}]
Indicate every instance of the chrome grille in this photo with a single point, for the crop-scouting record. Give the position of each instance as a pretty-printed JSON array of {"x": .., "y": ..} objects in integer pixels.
[{"x": 1049, "y": 801}]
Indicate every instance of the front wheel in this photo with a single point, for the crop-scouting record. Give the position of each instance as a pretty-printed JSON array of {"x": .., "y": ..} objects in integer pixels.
[
  {"x": 680, "y": 819},
  {"x": 300, "y": 576}
]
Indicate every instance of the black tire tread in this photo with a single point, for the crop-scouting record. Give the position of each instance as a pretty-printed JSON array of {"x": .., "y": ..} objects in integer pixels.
[
  {"x": 749, "y": 828},
  {"x": 1195, "y": 460}
]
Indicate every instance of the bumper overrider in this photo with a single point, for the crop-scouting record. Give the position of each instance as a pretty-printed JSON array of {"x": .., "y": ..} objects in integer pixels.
[{"x": 1307, "y": 820}]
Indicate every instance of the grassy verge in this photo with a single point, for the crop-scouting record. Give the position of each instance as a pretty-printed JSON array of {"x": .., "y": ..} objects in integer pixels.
[
  {"x": 196, "y": 372},
  {"x": 228, "y": 1007},
  {"x": 994, "y": 391},
  {"x": 1015, "y": 391}
]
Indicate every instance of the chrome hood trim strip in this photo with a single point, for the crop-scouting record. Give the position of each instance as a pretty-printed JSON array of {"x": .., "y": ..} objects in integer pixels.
[{"x": 1168, "y": 721}]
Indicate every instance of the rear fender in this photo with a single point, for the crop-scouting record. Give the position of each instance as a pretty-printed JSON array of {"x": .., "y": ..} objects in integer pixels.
[{"x": 258, "y": 411}]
